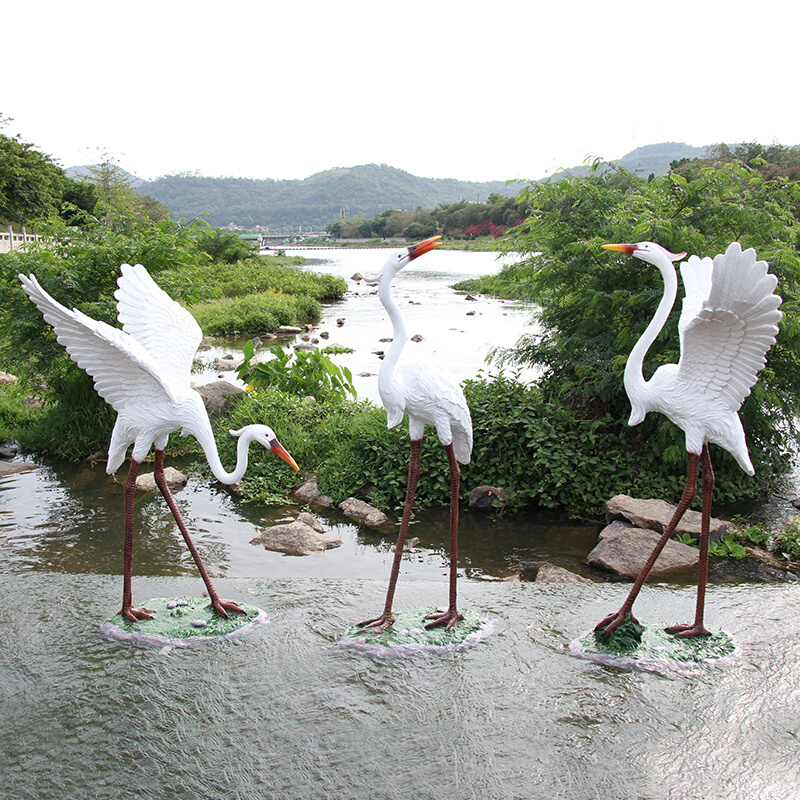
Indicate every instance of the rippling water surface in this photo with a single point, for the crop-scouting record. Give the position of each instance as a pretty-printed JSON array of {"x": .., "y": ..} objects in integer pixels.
[{"x": 284, "y": 713}]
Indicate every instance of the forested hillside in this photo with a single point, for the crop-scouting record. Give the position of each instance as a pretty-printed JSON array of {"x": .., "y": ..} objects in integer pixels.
[{"x": 314, "y": 202}]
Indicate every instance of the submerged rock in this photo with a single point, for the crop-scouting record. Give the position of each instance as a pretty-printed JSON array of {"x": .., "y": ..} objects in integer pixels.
[
  {"x": 363, "y": 512},
  {"x": 14, "y": 467},
  {"x": 550, "y": 573},
  {"x": 299, "y": 538}
]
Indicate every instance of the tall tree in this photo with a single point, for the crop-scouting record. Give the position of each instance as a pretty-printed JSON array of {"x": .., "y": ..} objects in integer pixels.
[{"x": 30, "y": 181}]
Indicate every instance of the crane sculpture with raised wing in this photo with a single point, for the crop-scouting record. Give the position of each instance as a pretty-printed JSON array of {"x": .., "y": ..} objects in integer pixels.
[
  {"x": 143, "y": 371},
  {"x": 728, "y": 322}
]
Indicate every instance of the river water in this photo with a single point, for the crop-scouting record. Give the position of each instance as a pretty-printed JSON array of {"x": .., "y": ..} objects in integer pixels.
[
  {"x": 456, "y": 332},
  {"x": 285, "y": 713}
]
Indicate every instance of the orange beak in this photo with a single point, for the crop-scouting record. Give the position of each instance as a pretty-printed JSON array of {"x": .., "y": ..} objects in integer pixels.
[
  {"x": 416, "y": 250},
  {"x": 629, "y": 249},
  {"x": 279, "y": 450}
]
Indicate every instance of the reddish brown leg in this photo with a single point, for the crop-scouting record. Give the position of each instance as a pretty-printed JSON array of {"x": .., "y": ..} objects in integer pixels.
[
  {"x": 128, "y": 611},
  {"x": 452, "y": 616},
  {"x": 386, "y": 618},
  {"x": 612, "y": 621},
  {"x": 697, "y": 628},
  {"x": 220, "y": 606}
]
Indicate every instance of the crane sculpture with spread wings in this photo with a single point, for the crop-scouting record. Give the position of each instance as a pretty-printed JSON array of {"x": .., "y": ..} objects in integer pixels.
[{"x": 144, "y": 372}]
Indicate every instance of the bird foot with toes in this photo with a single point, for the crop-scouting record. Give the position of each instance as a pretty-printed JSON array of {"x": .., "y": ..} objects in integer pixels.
[
  {"x": 222, "y": 607},
  {"x": 376, "y": 625},
  {"x": 687, "y": 631},
  {"x": 137, "y": 614},
  {"x": 449, "y": 619},
  {"x": 608, "y": 625}
]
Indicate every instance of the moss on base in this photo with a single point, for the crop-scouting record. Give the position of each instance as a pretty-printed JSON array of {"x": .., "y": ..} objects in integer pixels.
[
  {"x": 408, "y": 634},
  {"x": 181, "y": 618}
]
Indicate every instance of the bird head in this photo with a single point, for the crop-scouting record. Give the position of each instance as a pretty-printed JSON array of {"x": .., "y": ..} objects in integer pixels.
[
  {"x": 266, "y": 437},
  {"x": 647, "y": 251},
  {"x": 402, "y": 258}
]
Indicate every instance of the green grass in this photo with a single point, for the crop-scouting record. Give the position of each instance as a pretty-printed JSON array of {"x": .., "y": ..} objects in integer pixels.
[{"x": 256, "y": 313}]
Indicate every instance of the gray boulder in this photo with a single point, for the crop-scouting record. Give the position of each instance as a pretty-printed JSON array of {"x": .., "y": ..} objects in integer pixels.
[
  {"x": 656, "y": 514},
  {"x": 624, "y": 549},
  {"x": 299, "y": 538},
  {"x": 175, "y": 481},
  {"x": 363, "y": 512},
  {"x": 309, "y": 493},
  {"x": 219, "y": 397}
]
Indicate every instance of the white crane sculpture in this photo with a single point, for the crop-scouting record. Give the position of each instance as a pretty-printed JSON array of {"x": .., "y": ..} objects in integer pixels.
[
  {"x": 430, "y": 397},
  {"x": 143, "y": 371},
  {"x": 728, "y": 322}
]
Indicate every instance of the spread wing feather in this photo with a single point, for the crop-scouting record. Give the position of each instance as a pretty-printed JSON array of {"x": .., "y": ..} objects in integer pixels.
[
  {"x": 163, "y": 327},
  {"x": 121, "y": 367},
  {"x": 728, "y": 323}
]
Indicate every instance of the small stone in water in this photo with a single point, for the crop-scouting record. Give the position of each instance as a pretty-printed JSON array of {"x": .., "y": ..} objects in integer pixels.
[
  {"x": 181, "y": 602},
  {"x": 171, "y": 604},
  {"x": 198, "y": 623}
]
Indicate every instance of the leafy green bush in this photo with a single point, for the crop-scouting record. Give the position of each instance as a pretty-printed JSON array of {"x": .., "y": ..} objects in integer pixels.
[
  {"x": 224, "y": 247},
  {"x": 310, "y": 431},
  {"x": 16, "y": 414},
  {"x": 592, "y": 307},
  {"x": 300, "y": 372},
  {"x": 787, "y": 542}
]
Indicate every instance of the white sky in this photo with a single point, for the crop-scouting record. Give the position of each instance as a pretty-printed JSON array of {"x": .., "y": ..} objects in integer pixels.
[{"x": 440, "y": 88}]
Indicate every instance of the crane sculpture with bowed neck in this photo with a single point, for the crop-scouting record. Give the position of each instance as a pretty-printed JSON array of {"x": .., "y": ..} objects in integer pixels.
[
  {"x": 728, "y": 322},
  {"x": 143, "y": 371},
  {"x": 429, "y": 397}
]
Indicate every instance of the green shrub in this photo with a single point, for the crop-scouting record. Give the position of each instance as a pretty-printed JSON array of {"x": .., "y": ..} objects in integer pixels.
[
  {"x": 256, "y": 275},
  {"x": 256, "y": 313},
  {"x": 300, "y": 372},
  {"x": 787, "y": 542},
  {"x": 310, "y": 431}
]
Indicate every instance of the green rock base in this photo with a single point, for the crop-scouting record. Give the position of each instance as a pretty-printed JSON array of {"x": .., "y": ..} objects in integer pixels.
[
  {"x": 182, "y": 622},
  {"x": 408, "y": 635},
  {"x": 658, "y": 651}
]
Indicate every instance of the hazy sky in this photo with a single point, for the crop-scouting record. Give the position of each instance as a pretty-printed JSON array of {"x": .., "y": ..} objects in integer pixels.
[{"x": 470, "y": 90}]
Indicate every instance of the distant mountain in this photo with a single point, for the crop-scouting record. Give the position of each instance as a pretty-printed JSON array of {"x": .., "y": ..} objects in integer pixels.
[
  {"x": 314, "y": 202},
  {"x": 646, "y": 160},
  {"x": 83, "y": 174},
  {"x": 368, "y": 189}
]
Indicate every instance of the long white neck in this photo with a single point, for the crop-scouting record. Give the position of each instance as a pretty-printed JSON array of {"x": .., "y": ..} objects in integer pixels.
[
  {"x": 209, "y": 445},
  {"x": 634, "y": 378},
  {"x": 386, "y": 383}
]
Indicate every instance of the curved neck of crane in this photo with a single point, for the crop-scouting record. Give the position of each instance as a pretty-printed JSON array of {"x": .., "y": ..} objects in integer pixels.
[
  {"x": 633, "y": 369},
  {"x": 399, "y": 327},
  {"x": 209, "y": 445}
]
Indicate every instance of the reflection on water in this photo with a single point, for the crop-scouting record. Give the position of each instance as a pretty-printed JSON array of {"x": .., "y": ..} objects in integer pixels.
[{"x": 69, "y": 518}]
